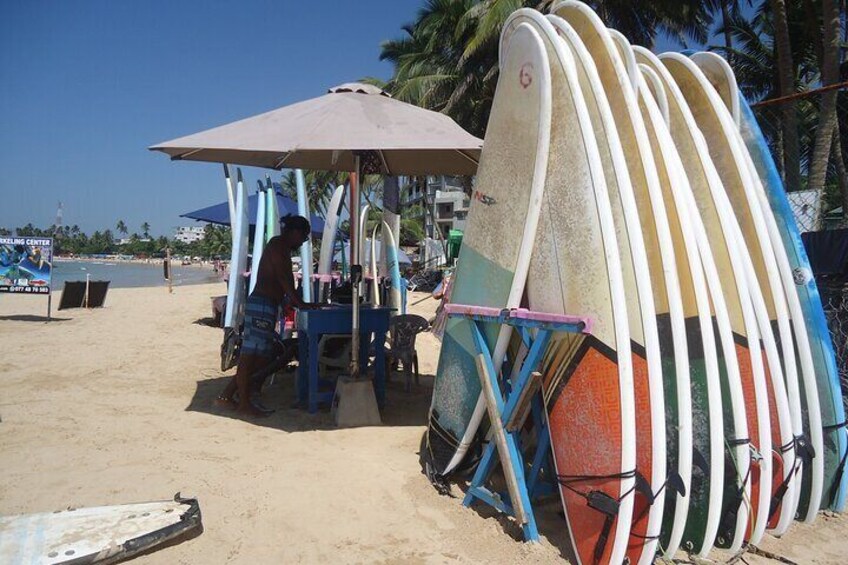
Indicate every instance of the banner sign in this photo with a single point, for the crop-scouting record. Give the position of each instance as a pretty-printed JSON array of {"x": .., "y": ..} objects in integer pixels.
[{"x": 26, "y": 264}]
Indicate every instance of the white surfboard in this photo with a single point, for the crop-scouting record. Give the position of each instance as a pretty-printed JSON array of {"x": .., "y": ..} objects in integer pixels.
[
  {"x": 767, "y": 295},
  {"x": 103, "y": 534},
  {"x": 395, "y": 299},
  {"x": 258, "y": 239},
  {"x": 328, "y": 238},
  {"x": 565, "y": 279},
  {"x": 653, "y": 296},
  {"x": 700, "y": 390},
  {"x": 493, "y": 264},
  {"x": 720, "y": 75},
  {"x": 730, "y": 301},
  {"x": 375, "y": 281},
  {"x": 231, "y": 193},
  {"x": 305, "y": 249},
  {"x": 238, "y": 263}
]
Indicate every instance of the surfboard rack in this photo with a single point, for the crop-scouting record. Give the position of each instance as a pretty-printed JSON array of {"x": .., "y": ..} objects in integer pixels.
[{"x": 510, "y": 402}]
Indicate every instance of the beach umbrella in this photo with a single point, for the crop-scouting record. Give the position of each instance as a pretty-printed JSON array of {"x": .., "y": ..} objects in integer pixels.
[
  {"x": 354, "y": 127},
  {"x": 326, "y": 132},
  {"x": 220, "y": 213}
]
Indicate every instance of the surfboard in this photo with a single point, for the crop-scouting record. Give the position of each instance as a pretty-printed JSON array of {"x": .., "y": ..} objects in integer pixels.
[
  {"x": 646, "y": 249},
  {"x": 272, "y": 211},
  {"x": 493, "y": 263},
  {"x": 393, "y": 272},
  {"x": 306, "y": 248},
  {"x": 812, "y": 337},
  {"x": 103, "y": 534},
  {"x": 588, "y": 386},
  {"x": 328, "y": 240},
  {"x": 238, "y": 262},
  {"x": 784, "y": 398},
  {"x": 231, "y": 193},
  {"x": 363, "y": 216},
  {"x": 375, "y": 284},
  {"x": 699, "y": 430},
  {"x": 768, "y": 299},
  {"x": 728, "y": 296},
  {"x": 258, "y": 238}
]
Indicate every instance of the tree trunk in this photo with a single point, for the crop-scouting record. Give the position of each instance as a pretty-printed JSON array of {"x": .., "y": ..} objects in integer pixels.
[
  {"x": 728, "y": 36},
  {"x": 841, "y": 173},
  {"x": 786, "y": 82},
  {"x": 827, "y": 109}
]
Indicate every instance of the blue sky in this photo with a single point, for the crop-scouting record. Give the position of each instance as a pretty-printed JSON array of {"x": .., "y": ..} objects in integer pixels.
[{"x": 87, "y": 86}]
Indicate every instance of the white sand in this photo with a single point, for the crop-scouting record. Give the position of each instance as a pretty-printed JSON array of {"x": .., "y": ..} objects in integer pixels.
[{"x": 114, "y": 405}]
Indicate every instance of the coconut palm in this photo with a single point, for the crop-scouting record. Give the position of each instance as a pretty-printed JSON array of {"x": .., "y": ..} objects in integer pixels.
[
  {"x": 121, "y": 227},
  {"x": 145, "y": 229},
  {"x": 319, "y": 188}
]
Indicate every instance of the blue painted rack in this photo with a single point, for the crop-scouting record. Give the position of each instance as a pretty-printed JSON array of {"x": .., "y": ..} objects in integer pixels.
[{"x": 509, "y": 403}]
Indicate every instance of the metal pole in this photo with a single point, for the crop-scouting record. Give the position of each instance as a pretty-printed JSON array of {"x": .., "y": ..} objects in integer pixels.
[
  {"x": 356, "y": 269},
  {"x": 170, "y": 274}
]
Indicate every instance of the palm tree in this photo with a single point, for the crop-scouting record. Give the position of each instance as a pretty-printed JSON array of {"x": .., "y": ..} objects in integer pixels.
[
  {"x": 121, "y": 227},
  {"x": 827, "y": 114},
  {"x": 786, "y": 86},
  {"x": 447, "y": 60},
  {"x": 319, "y": 188},
  {"x": 145, "y": 229}
]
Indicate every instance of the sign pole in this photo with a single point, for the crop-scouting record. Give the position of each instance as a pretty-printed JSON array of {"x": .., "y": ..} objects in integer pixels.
[{"x": 168, "y": 269}]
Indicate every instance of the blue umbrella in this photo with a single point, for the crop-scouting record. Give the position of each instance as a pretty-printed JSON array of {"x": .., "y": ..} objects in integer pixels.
[{"x": 220, "y": 213}]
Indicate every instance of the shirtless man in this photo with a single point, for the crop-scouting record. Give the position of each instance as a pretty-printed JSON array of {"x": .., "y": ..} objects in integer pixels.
[{"x": 274, "y": 288}]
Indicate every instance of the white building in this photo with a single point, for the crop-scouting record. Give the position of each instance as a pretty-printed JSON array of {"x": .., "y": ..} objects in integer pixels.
[
  {"x": 189, "y": 234},
  {"x": 446, "y": 203}
]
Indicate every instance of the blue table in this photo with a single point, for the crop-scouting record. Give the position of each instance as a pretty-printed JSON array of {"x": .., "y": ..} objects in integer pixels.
[{"x": 337, "y": 319}]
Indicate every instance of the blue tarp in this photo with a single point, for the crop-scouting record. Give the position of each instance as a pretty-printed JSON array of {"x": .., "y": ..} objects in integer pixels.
[{"x": 220, "y": 213}]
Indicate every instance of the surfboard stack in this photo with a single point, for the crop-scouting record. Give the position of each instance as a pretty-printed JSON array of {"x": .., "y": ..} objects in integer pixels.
[{"x": 705, "y": 408}]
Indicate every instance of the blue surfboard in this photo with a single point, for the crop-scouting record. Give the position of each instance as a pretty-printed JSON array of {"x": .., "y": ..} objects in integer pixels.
[{"x": 824, "y": 358}]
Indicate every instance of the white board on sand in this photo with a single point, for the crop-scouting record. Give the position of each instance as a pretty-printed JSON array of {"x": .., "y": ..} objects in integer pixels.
[
  {"x": 328, "y": 238},
  {"x": 703, "y": 381},
  {"x": 728, "y": 293},
  {"x": 652, "y": 289},
  {"x": 760, "y": 269},
  {"x": 258, "y": 239},
  {"x": 565, "y": 279},
  {"x": 238, "y": 262},
  {"x": 720, "y": 75},
  {"x": 104, "y": 534},
  {"x": 493, "y": 263}
]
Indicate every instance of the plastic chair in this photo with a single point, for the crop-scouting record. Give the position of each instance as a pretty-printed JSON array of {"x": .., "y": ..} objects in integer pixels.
[{"x": 403, "y": 330}]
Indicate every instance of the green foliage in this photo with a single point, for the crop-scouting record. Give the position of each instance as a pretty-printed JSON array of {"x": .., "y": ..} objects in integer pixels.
[
  {"x": 447, "y": 60},
  {"x": 72, "y": 240}
]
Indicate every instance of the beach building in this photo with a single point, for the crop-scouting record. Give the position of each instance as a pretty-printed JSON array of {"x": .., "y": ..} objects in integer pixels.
[
  {"x": 446, "y": 201},
  {"x": 189, "y": 234}
]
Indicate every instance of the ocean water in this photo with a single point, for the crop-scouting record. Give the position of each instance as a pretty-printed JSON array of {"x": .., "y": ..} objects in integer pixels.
[{"x": 124, "y": 275}]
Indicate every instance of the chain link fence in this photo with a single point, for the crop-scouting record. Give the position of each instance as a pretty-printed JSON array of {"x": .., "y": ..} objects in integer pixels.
[
  {"x": 835, "y": 302},
  {"x": 794, "y": 149}
]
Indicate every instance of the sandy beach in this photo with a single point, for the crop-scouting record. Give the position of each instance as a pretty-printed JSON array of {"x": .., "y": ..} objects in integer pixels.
[{"x": 114, "y": 405}]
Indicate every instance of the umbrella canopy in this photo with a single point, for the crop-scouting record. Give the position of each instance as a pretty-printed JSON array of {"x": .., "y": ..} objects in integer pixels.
[
  {"x": 403, "y": 258},
  {"x": 326, "y": 132},
  {"x": 220, "y": 213}
]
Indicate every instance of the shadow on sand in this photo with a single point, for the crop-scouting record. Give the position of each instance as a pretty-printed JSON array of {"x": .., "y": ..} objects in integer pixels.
[
  {"x": 31, "y": 318},
  {"x": 402, "y": 408}
]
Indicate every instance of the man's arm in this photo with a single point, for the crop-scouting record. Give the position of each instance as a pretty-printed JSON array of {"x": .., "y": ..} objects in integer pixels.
[{"x": 284, "y": 275}]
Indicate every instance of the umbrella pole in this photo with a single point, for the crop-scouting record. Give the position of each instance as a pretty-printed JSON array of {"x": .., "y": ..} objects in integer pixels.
[{"x": 356, "y": 268}]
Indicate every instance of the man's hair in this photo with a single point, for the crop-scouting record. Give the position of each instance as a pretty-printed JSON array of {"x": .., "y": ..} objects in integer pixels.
[{"x": 298, "y": 223}]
